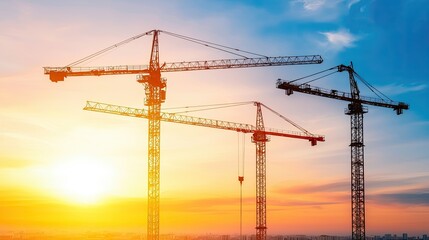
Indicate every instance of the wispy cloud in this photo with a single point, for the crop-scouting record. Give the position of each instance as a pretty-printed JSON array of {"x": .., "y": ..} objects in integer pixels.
[
  {"x": 396, "y": 89},
  {"x": 351, "y": 3},
  {"x": 410, "y": 197},
  {"x": 315, "y": 5},
  {"x": 398, "y": 182},
  {"x": 339, "y": 40},
  {"x": 318, "y": 10},
  {"x": 312, "y": 5},
  {"x": 400, "y": 190},
  {"x": 309, "y": 189},
  {"x": 344, "y": 185},
  {"x": 303, "y": 203},
  {"x": 213, "y": 204}
]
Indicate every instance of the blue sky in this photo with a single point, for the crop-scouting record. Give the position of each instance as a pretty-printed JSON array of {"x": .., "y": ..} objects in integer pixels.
[{"x": 388, "y": 42}]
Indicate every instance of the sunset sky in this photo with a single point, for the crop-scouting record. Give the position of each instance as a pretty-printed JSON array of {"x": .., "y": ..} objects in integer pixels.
[{"x": 62, "y": 168}]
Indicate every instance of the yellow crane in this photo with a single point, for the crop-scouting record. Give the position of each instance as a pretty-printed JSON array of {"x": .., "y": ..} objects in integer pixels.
[{"x": 259, "y": 137}]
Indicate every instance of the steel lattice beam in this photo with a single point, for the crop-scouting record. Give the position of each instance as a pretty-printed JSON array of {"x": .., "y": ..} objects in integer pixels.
[
  {"x": 197, "y": 121},
  {"x": 291, "y": 87},
  {"x": 59, "y": 73}
]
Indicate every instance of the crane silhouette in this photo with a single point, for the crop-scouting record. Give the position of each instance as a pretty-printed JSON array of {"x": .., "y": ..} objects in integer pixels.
[
  {"x": 355, "y": 109},
  {"x": 155, "y": 90},
  {"x": 259, "y": 137}
]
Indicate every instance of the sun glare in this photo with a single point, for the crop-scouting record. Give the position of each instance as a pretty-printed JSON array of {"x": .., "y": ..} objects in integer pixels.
[{"x": 82, "y": 180}]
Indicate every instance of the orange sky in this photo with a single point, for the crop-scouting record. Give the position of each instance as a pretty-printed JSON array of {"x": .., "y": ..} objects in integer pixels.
[{"x": 65, "y": 168}]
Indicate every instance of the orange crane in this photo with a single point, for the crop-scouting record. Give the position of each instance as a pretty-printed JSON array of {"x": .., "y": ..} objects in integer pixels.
[
  {"x": 355, "y": 110},
  {"x": 259, "y": 137},
  {"x": 155, "y": 90}
]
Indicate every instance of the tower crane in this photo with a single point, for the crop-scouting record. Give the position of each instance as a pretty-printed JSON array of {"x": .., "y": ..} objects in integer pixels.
[
  {"x": 155, "y": 90},
  {"x": 259, "y": 137},
  {"x": 355, "y": 109}
]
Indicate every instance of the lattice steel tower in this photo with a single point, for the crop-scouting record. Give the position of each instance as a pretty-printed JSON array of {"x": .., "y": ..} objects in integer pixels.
[
  {"x": 155, "y": 95},
  {"x": 260, "y": 139},
  {"x": 356, "y": 111}
]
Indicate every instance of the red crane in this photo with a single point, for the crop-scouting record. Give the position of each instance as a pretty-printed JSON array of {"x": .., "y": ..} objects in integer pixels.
[
  {"x": 155, "y": 89},
  {"x": 259, "y": 137},
  {"x": 356, "y": 110}
]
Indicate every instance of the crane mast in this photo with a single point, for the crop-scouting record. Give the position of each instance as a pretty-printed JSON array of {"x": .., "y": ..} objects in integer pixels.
[
  {"x": 155, "y": 90},
  {"x": 154, "y": 86},
  {"x": 355, "y": 110},
  {"x": 260, "y": 139}
]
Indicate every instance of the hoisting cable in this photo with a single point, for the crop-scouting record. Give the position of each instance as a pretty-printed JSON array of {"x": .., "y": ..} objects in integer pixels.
[
  {"x": 211, "y": 45},
  {"x": 206, "y": 45},
  {"x": 244, "y": 151},
  {"x": 372, "y": 88},
  {"x": 289, "y": 121},
  {"x": 206, "y": 109},
  {"x": 241, "y": 178},
  {"x": 108, "y": 49},
  {"x": 317, "y": 78},
  {"x": 311, "y": 75},
  {"x": 197, "y": 41},
  {"x": 211, "y": 107}
]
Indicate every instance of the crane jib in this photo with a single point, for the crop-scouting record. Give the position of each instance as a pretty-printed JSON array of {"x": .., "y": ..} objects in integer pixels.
[
  {"x": 197, "y": 121},
  {"x": 335, "y": 94},
  {"x": 355, "y": 110},
  {"x": 57, "y": 74}
]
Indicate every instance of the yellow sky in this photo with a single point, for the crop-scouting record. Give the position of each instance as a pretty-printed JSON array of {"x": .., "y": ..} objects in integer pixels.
[{"x": 51, "y": 147}]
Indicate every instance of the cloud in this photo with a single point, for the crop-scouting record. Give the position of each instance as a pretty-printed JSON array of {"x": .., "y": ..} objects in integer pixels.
[
  {"x": 412, "y": 197},
  {"x": 408, "y": 182},
  {"x": 302, "y": 203},
  {"x": 316, "y": 5},
  {"x": 351, "y": 3},
  {"x": 312, "y": 5},
  {"x": 317, "y": 10},
  {"x": 396, "y": 89},
  {"x": 344, "y": 185},
  {"x": 310, "y": 189},
  {"x": 208, "y": 204},
  {"x": 339, "y": 40},
  {"x": 399, "y": 190}
]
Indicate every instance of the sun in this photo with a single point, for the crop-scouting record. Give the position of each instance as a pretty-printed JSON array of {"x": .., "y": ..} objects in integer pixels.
[{"x": 82, "y": 180}]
